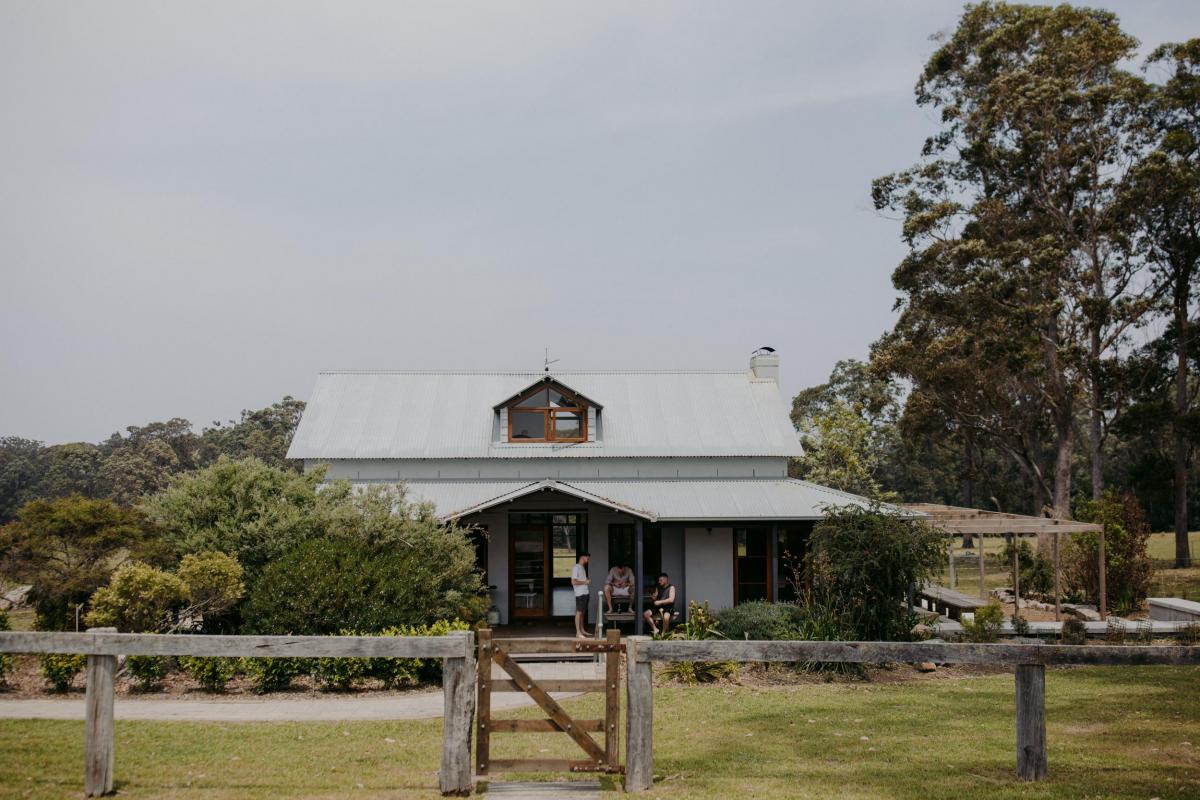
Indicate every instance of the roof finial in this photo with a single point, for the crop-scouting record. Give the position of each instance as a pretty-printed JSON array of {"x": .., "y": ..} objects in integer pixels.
[{"x": 546, "y": 362}]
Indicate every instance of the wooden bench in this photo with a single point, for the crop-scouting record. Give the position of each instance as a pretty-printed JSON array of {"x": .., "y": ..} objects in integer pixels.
[{"x": 949, "y": 602}]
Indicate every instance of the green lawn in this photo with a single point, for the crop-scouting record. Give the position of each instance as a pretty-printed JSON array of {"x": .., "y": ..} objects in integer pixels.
[{"x": 1117, "y": 732}]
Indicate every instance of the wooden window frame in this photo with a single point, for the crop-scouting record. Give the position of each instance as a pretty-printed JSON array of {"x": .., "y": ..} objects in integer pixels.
[
  {"x": 548, "y": 414},
  {"x": 770, "y": 583}
]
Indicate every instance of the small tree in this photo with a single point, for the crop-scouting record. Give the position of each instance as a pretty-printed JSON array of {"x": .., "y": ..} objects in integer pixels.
[
  {"x": 143, "y": 599},
  {"x": 866, "y": 560},
  {"x": 69, "y": 547},
  {"x": 1127, "y": 565}
]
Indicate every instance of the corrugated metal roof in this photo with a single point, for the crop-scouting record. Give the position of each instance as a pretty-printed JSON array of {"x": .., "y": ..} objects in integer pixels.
[
  {"x": 665, "y": 500},
  {"x": 450, "y": 415}
]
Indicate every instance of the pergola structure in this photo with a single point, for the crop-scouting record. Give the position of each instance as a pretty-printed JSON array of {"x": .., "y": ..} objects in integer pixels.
[{"x": 956, "y": 520}]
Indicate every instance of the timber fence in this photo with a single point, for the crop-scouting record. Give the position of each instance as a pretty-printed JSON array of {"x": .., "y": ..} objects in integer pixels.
[
  {"x": 1028, "y": 660},
  {"x": 102, "y": 646}
]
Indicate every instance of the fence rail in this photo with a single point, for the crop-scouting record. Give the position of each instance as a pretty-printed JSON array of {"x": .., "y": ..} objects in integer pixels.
[
  {"x": 101, "y": 646},
  {"x": 1029, "y": 661}
]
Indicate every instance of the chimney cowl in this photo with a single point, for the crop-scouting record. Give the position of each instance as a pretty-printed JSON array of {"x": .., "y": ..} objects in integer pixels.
[{"x": 764, "y": 364}]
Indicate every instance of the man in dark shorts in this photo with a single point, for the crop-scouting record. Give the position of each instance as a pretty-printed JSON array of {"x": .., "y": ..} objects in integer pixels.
[
  {"x": 580, "y": 583},
  {"x": 664, "y": 604}
]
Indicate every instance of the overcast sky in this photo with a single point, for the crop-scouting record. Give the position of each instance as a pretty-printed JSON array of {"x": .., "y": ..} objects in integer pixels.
[{"x": 201, "y": 205}]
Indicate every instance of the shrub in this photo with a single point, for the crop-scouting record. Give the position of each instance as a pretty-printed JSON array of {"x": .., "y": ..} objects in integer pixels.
[
  {"x": 59, "y": 669},
  {"x": 273, "y": 674},
  {"x": 395, "y": 672},
  {"x": 327, "y": 585},
  {"x": 1074, "y": 631},
  {"x": 866, "y": 560},
  {"x": 1189, "y": 635},
  {"x": 212, "y": 581},
  {"x": 701, "y": 624},
  {"x": 760, "y": 620},
  {"x": 6, "y": 660},
  {"x": 1020, "y": 625},
  {"x": 138, "y": 599},
  {"x": 211, "y": 672},
  {"x": 1127, "y": 566},
  {"x": 985, "y": 627},
  {"x": 340, "y": 673},
  {"x": 147, "y": 670},
  {"x": 1036, "y": 572}
]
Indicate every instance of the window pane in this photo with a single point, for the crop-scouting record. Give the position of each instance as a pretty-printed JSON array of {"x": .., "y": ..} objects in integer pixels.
[
  {"x": 564, "y": 539},
  {"x": 558, "y": 399},
  {"x": 528, "y": 425},
  {"x": 568, "y": 426},
  {"x": 539, "y": 399}
]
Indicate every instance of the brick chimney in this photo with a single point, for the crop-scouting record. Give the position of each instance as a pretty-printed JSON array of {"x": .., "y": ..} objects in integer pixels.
[{"x": 764, "y": 363}]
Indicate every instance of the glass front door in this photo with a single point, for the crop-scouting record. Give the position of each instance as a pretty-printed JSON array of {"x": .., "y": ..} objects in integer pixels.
[
  {"x": 544, "y": 548},
  {"x": 529, "y": 585},
  {"x": 752, "y": 564}
]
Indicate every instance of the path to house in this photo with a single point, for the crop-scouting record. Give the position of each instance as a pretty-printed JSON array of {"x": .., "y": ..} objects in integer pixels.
[{"x": 287, "y": 708}]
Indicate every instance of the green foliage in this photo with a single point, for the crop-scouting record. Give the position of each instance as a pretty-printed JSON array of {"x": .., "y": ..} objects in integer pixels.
[
  {"x": 67, "y": 548},
  {"x": 246, "y": 509},
  {"x": 701, "y": 624},
  {"x": 396, "y": 672},
  {"x": 760, "y": 620},
  {"x": 211, "y": 672},
  {"x": 1020, "y": 625},
  {"x": 213, "y": 582},
  {"x": 340, "y": 674},
  {"x": 327, "y": 585},
  {"x": 1037, "y": 572},
  {"x": 1074, "y": 631},
  {"x": 841, "y": 450},
  {"x": 6, "y": 660},
  {"x": 147, "y": 670},
  {"x": 59, "y": 669},
  {"x": 273, "y": 674},
  {"x": 138, "y": 599},
  {"x": 985, "y": 626},
  {"x": 866, "y": 560},
  {"x": 1127, "y": 566}
]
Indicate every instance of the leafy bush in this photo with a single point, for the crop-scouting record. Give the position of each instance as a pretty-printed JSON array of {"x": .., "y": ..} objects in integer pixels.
[
  {"x": 6, "y": 660},
  {"x": 1127, "y": 565},
  {"x": 1020, "y": 625},
  {"x": 760, "y": 620},
  {"x": 1189, "y": 635},
  {"x": 866, "y": 560},
  {"x": 138, "y": 599},
  {"x": 395, "y": 672},
  {"x": 147, "y": 670},
  {"x": 1074, "y": 631},
  {"x": 327, "y": 585},
  {"x": 340, "y": 673},
  {"x": 701, "y": 624},
  {"x": 213, "y": 582},
  {"x": 59, "y": 669},
  {"x": 273, "y": 674},
  {"x": 985, "y": 626},
  {"x": 211, "y": 672},
  {"x": 1036, "y": 571}
]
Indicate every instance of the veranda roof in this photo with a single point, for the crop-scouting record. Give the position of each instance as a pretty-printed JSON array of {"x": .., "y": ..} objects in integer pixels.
[{"x": 956, "y": 519}]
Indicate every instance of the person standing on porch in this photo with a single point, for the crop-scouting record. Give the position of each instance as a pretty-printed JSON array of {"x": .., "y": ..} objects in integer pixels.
[{"x": 580, "y": 582}]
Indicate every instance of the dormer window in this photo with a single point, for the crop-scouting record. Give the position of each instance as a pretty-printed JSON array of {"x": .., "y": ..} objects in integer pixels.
[{"x": 547, "y": 413}]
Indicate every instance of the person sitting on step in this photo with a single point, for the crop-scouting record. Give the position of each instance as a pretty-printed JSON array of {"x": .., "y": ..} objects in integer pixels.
[
  {"x": 618, "y": 584},
  {"x": 663, "y": 601}
]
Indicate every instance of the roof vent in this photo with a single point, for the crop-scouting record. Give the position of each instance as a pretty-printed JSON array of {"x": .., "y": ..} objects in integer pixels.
[{"x": 764, "y": 364}]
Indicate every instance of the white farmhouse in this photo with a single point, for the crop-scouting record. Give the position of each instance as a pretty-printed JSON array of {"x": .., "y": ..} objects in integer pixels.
[{"x": 675, "y": 471}]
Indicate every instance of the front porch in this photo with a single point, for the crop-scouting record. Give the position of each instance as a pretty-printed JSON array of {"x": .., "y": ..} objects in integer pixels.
[{"x": 527, "y": 546}]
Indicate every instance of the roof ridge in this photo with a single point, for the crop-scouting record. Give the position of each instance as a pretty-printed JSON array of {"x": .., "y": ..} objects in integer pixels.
[{"x": 533, "y": 372}]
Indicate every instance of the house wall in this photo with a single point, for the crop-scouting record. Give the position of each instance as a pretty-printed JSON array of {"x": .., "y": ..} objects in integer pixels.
[
  {"x": 708, "y": 566},
  {"x": 391, "y": 470}
]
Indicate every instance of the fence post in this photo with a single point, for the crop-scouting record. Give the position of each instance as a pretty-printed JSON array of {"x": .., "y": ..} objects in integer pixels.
[
  {"x": 458, "y": 693},
  {"x": 639, "y": 738},
  {"x": 98, "y": 722},
  {"x": 1031, "y": 722}
]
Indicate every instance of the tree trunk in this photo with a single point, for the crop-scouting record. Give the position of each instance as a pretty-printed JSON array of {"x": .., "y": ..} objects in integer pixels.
[
  {"x": 1183, "y": 557},
  {"x": 1096, "y": 441}
]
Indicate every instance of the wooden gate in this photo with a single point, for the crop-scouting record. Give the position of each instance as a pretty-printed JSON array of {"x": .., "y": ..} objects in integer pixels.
[{"x": 500, "y": 652}]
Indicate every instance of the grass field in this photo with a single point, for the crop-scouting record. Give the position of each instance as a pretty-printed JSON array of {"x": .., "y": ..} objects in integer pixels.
[{"x": 1117, "y": 732}]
